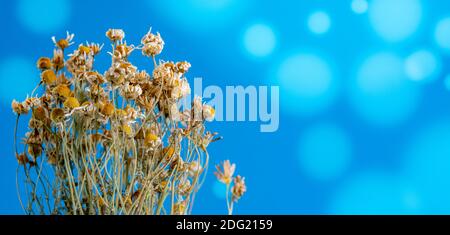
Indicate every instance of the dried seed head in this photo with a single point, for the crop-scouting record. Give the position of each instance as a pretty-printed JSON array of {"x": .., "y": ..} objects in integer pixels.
[
  {"x": 84, "y": 49},
  {"x": 115, "y": 34},
  {"x": 40, "y": 113},
  {"x": 63, "y": 91},
  {"x": 57, "y": 115},
  {"x": 238, "y": 188},
  {"x": 71, "y": 103},
  {"x": 153, "y": 44},
  {"x": 48, "y": 77},
  {"x": 44, "y": 63},
  {"x": 183, "y": 67},
  {"x": 20, "y": 108},
  {"x": 108, "y": 109}
]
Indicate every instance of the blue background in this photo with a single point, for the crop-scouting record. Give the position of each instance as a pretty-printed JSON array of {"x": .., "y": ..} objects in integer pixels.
[{"x": 364, "y": 104}]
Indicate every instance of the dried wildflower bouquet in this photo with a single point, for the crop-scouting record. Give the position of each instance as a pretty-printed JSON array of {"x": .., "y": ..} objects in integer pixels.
[{"x": 113, "y": 142}]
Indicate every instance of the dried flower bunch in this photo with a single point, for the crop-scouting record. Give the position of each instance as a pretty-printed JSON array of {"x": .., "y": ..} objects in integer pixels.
[
  {"x": 235, "y": 185},
  {"x": 113, "y": 142}
]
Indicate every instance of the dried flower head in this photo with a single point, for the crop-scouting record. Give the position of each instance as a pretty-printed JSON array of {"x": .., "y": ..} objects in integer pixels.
[
  {"x": 115, "y": 34},
  {"x": 48, "y": 77},
  {"x": 225, "y": 175},
  {"x": 71, "y": 103},
  {"x": 20, "y": 108},
  {"x": 44, "y": 63},
  {"x": 153, "y": 44},
  {"x": 238, "y": 188},
  {"x": 65, "y": 42}
]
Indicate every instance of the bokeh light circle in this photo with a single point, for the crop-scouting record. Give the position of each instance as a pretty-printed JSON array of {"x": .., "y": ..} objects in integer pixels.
[
  {"x": 319, "y": 22},
  {"x": 43, "y": 16},
  {"x": 447, "y": 82},
  {"x": 19, "y": 78},
  {"x": 259, "y": 40},
  {"x": 374, "y": 194},
  {"x": 199, "y": 15},
  {"x": 428, "y": 166},
  {"x": 442, "y": 34},
  {"x": 381, "y": 92},
  {"x": 307, "y": 84},
  {"x": 360, "y": 6},
  {"x": 423, "y": 65},
  {"x": 395, "y": 20},
  {"x": 324, "y": 152}
]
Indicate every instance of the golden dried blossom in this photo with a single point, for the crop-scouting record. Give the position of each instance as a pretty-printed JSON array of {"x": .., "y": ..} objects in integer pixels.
[
  {"x": 63, "y": 91},
  {"x": 108, "y": 109},
  {"x": 57, "y": 115},
  {"x": 44, "y": 63},
  {"x": 71, "y": 102},
  {"x": 65, "y": 42},
  {"x": 48, "y": 77}
]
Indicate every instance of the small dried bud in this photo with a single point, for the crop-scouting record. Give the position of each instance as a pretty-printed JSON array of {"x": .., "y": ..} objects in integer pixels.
[{"x": 44, "y": 63}]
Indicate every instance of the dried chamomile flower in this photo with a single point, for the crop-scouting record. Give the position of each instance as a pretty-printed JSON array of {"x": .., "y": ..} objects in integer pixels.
[
  {"x": 86, "y": 50},
  {"x": 225, "y": 175},
  {"x": 71, "y": 103},
  {"x": 64, "y": 43},
  {"x": 20, "y": 108},
  {"x": 48, "y": 77},
  {"x": 115, "y": 34},
  {"x": 57, "y": 115},
  {"x": 95, "y": 48},
  {"x": 183, "y": 67},
  {"x": 152, "y": 141},
  {"x": 44, "y": 63},
  {"x": 179, "y": 208},
  {"x": 153, "y": 44},
  {"x": 63, "y": 91},
  {"x": 181, "y": 89},
  {"x": 238, "y": 188},
  {"x": 40, "y": 113},
  {"x": 208, "y": 112},
  {"x": 127, "y": 129},
  {"x": 130, "y": 92},
  {"x": 108, "y": 109}
]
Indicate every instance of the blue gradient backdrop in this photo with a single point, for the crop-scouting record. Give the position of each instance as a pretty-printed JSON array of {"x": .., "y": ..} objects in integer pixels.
[{"x": 364, "y": 84}]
